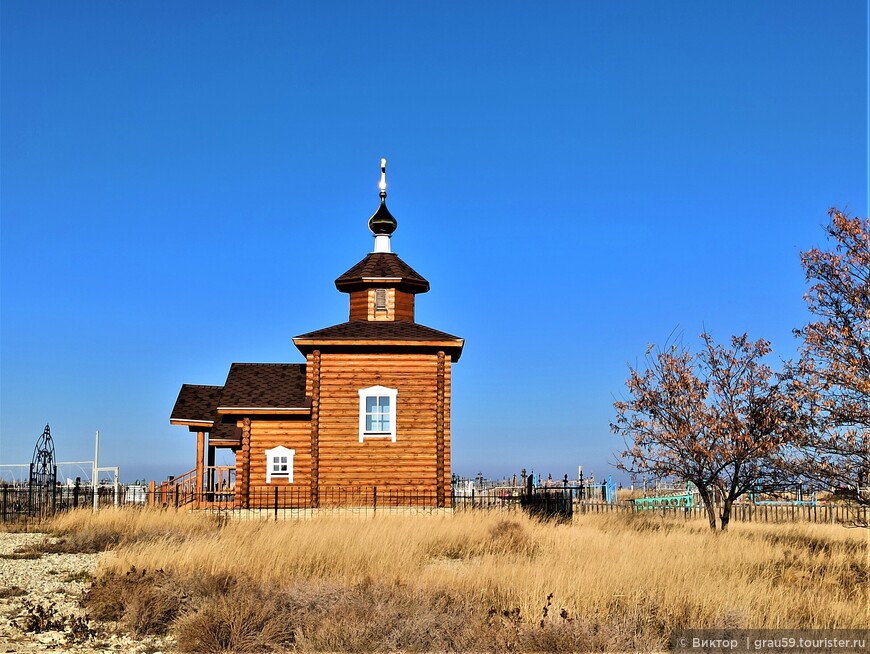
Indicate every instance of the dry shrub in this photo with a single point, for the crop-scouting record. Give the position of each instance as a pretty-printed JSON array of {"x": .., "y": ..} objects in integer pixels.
[
  {"x": 372, "y": 616},
  {"x": 21, "y": 526},
  {"x": 572, "y": 635},
  {"x": 84, "y": 542},
  {"x": 377, "y": 617},
  {"x": 11, "y": 591},
  {"x": 324, "y": 617},
  {"x": 247, "y": 619},
  {"x": 152, "y": 608},
  {"x": 454, "y": 547},
  {"x": 83, "y": 531},
  {"x": 647, "y": 521},
  {"x": 210, "y": 585},
  {"x": 146, "y": 603},
  {"x": 554, "y": 629},
  {"x": 507, "y": 537},
  {"x": 23, "y": 554},
  {"x": 510, "y": 537}
]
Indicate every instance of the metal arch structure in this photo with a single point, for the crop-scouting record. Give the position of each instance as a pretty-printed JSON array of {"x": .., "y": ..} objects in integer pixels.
[{"x": 43, "y": 475}]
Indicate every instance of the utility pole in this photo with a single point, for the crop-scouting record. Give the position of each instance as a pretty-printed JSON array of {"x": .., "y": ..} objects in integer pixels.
[{"x": 96, "y": 473}]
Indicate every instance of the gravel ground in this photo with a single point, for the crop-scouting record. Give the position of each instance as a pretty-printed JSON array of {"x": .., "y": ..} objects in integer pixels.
[{"x": 59, "y": 580}]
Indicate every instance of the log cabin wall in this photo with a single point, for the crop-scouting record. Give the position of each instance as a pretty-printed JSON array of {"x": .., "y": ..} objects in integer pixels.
[
  {"x": 359, "y": 305},
  {"x": 404, "y": 306},
  {"x": 312, "y": 390},
  {"x": 398, "y": 305},
  {"x": 243, "y": 479},
  {"x": 294, "y": 434},
  {"x": 409, "y": 462}
]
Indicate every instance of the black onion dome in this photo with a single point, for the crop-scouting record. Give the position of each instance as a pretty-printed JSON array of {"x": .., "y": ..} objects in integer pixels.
[{"x": 382, "y": 222}]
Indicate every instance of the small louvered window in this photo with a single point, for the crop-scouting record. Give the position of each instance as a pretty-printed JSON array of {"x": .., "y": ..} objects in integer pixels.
[
  {"x": 279, "y": 464},
  {"x": 380, "y": 299}
]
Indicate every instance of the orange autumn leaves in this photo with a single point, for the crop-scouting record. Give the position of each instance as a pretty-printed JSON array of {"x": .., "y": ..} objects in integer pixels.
[
  {"x": 712, "y": 418},
  {"x": 834, "y": 368},
  {"x": 725, "y": 421}
]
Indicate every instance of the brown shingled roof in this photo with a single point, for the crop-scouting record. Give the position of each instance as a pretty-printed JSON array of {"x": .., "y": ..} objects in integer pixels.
[
  {"x": 196, "y": 403},
  {"x": 379, "y": 333},
  {"x": 225, "y": 432},
  {"x": 382, "y": 266},
  {"x": 390, "y": 330},
  {"x": 264, "y": 386}
]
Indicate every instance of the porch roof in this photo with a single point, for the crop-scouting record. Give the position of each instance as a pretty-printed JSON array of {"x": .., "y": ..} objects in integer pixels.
[
  {"x": 264, "y": 387},
  {"x": 195, "y": 406}
]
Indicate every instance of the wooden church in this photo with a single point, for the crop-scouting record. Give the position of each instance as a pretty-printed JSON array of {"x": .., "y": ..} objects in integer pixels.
[{"x": 369, "y": 408}]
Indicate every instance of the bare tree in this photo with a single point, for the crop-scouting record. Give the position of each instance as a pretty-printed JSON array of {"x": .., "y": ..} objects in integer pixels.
[{"x": 714, "y": 419}]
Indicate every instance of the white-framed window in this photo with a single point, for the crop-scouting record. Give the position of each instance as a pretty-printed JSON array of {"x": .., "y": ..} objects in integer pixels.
[
  {"x": 377, "y": 413},
  {"x": 279, "y": 464}
]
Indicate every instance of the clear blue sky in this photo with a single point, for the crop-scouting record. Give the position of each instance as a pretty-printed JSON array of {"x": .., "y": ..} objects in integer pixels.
[{"x": 183, "y": 181}]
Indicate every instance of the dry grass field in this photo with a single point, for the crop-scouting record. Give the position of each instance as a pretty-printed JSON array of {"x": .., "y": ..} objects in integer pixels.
[{"x": 474, "y": 581}]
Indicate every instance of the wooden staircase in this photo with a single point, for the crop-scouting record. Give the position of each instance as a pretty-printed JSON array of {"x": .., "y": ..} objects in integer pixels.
[{"x": 184, "y": 491}]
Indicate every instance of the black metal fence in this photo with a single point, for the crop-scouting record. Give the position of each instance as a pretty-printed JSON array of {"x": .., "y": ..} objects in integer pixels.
[
  {"x": 17, "y": 504},
  {"x": 23, "y": 503}
]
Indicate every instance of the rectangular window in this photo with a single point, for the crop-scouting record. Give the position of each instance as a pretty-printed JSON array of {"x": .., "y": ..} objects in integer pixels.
[{"x": 377, "y": 413}]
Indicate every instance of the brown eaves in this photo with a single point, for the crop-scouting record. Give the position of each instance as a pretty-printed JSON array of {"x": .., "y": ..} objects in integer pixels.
[
  {"x": 196, "y": 403},
  {"x": 382, "y": 330},
  {"x": 377, "y": 334},
  {"x": 225, "y": 433},
  {"x": 385, "y": 266}
]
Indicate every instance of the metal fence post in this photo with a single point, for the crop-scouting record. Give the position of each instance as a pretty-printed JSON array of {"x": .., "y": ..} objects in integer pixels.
[
  {"x": 374, "y": 499},
  {"x": 30, "y": 491},
  {"x": 276, "y": 503}
]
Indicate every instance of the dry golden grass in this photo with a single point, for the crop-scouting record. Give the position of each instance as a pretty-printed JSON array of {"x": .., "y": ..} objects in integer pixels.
[{"x": 616, "y": 581}]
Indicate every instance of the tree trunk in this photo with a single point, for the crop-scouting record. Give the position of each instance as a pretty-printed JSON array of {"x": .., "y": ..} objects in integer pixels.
[
  {"x": 726, "y": 512},
  {"x": 707, "y": 499}
]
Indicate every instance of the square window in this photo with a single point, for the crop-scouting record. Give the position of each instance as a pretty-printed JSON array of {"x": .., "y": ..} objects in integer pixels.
[{"x": 377, "y": 414}]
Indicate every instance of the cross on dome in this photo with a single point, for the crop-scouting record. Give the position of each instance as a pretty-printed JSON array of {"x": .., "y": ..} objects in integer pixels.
[{"x": 382, "y": 222}]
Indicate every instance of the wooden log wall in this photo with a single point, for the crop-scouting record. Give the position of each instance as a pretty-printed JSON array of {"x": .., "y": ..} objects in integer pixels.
[
  {"x": 312, "y": 385},
  {"x": 359, "y": 305},
  {"x": 294, "y": 434},
  {"x": 244, "y": 482},
  {"x": 328, "y": 453},
  {"x": 412, "y": 460},
  {"x": 400, "y": 306},
  {"x": 441, "y": 490},
  {"x": 404, "y": 303}
]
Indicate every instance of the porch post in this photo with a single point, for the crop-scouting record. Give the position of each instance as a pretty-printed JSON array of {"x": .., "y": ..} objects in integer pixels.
[
  {"x": 200, "y": 472},
  {"x": 440, "y": 482},
  {"x": 209, "y": 484}
]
